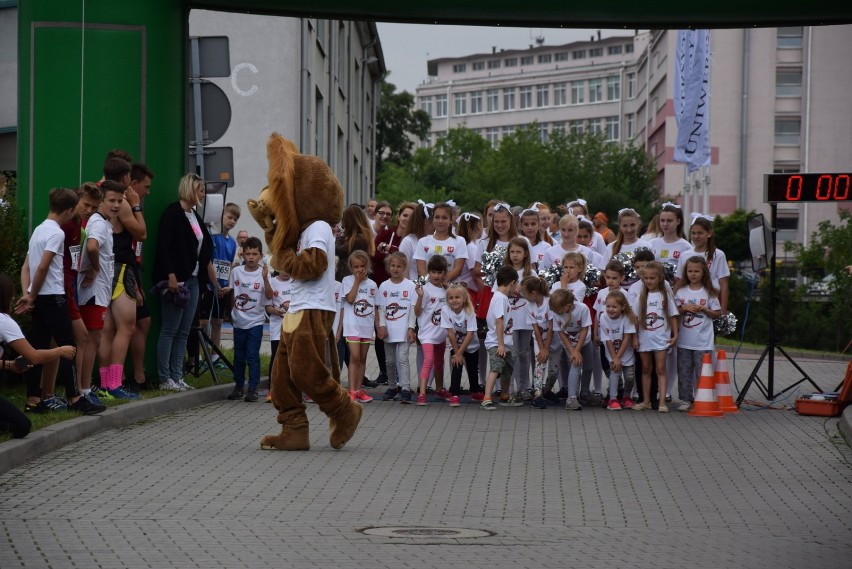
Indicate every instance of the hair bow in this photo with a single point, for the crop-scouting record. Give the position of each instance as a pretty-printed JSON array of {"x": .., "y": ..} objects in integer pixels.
[
  {"x": 580, "y": 201},
  {"x": 468, "y": 216},
  {"x": 427, "y": 207},
  {"x": 583, "y": 218},
  {"x": 531, "y": 209},
  {"x": 502, "y": 205},
  {"x": 696, "y": 215},
  {"x": 670, "y": 204},
  {"x": 535, "y": 205},
  {"x": 624, "y": 210},
  {"x": 450, "y": 203}
]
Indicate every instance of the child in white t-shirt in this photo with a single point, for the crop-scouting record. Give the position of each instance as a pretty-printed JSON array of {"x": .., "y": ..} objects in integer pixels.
[
  {"x": 359, "y": 307},
  {"x": 616, "y": 326},
  {"x": 518, "y": 257},
  {"x": 442, "y": 242},
  {"x": 276, "y": 309},
  {"x": 459, "y": 319},
  {"x": 698, "y": 304},
  {"x": 498, "y": 340},
  {"x": 252, "y": 292},
  {"x": 431, "y": 298},
  {"x": 396, "y": 326},
  {"x": 536, "y": 291},
  {"x": 575, "y": 333}
]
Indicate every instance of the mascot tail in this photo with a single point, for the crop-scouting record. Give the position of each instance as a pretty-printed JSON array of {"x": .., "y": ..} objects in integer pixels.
[{"x": 281, "y": 154}]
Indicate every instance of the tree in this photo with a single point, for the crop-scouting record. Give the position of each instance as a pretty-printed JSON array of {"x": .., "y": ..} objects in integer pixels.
[
  {"x": 397, "y": 125},
  {"x": 730, "y": 233}
]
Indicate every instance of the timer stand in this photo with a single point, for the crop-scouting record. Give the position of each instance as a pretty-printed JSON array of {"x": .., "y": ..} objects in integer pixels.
[{"x": 768, "y": 389}]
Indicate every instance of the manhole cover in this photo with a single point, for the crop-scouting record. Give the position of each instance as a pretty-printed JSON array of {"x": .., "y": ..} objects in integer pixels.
[{"x": 455, "y": 533}]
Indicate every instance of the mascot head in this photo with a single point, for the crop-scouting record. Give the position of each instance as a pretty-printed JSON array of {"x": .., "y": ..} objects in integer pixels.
[{"x": 301, "y": 189}]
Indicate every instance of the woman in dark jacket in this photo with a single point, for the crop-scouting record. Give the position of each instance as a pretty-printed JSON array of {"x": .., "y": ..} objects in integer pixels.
[{"x": 184, "y": 250}]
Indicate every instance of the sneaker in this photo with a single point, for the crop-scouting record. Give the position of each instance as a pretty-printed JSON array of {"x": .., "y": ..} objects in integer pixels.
[
  {"x": 597, "y": 399},
  {"x": 382, "y": 379},
  {"x": 550, "y": 397},
  {"x": 444, "y": 394},
  {"x": 429, "y": 391},
  {"x": 405, "y": 397},
  {"x": 478, "y": 396},
  {"x": 511, "y": 402},
  {"x": 488, "y": 405},
  {"x": 102, "y": 394},
  {"x": 93, "y": 399},
  {"x": 362, "y": 396},
  {"x": 641, "y": 406},
  {"x": 352, "y": 395},
  {"x": 251, "y": 396},
  {"x": 220, "y": 364},
  {"x": 132, "y": 386},
  {"x": 538, "y": 403},
  {"x": 573, "y": 404},
  {"x": 236, "y": 394},
  {"x": 391, "y": 394},
  {"x": 527, "y": 395},
  {"x": 369, "y": 383},
  {"x": 421, "y": 401},
  {"x": 454, "y": 401},
  {"x": 627, "y": 403},
  {"x": 86, "y": 407},
  {"x": 662, "y": 409},
  {"x": 613, "y": 405},
  {"x": 121, "y": 393},
  {"x": 170, "y": 385},
  {"x": 184, "y": 386},
  {"x": 668, "y": 398},
  {"x": 48, "y": 405},
  {"x": 685, "y": 406},
  {"x": 562, "y": 393},
  {"x": 585, "y": 398}
]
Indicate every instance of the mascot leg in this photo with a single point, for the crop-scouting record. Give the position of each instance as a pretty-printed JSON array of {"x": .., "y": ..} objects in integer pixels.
[
  {"x": 288, "y": 400},
  {"x": 309, "y": 343}
]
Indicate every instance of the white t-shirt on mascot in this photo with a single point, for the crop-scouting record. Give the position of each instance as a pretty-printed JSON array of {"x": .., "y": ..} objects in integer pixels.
[{"x": 317, "y": 294}]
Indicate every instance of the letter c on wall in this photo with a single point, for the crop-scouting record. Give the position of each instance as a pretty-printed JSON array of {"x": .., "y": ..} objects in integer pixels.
[{"x": 237, "y": 68}]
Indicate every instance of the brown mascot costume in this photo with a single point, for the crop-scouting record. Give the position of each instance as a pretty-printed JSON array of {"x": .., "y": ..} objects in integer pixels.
[{"x": 297, "y": 211}]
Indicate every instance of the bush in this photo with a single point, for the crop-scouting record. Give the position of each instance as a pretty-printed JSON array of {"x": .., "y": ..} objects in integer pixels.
[{"x": 13, "y": 237}]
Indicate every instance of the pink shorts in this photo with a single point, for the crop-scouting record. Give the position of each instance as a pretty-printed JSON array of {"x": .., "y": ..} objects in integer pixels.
[{"x": 358, "y": 340}]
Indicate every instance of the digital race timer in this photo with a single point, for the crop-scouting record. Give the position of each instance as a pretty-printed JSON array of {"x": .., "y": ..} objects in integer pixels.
[{"x": 792, "y": 188}]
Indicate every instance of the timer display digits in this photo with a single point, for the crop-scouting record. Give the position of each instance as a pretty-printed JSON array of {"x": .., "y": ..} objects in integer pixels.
[{"x": 793, "y": 188}]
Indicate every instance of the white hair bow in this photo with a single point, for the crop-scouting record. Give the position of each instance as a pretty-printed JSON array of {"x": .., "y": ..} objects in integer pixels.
[
  {"x": 468, "y": 216},
  {"x": 580, "y": 201},
  {"x": 696, "y": 215},
  {"x": 502, "y": 205},
  {"x": 450, "y": 203},
  {"x": 583, "y": 218},
  {"x": 532, "y": 208},
  {"x": 624, "y": 210},
  {"x": 667, "y": 204},
  {"x": 427, "y": 207}
]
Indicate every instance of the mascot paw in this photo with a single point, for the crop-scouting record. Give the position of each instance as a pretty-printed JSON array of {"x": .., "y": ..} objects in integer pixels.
[
  {"x": 288, "y": 439},
  {"x": 343, "y": 426}
]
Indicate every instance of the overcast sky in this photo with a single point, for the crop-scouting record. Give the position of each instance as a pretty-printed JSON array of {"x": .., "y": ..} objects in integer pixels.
[{"x": 407, "y": 47}]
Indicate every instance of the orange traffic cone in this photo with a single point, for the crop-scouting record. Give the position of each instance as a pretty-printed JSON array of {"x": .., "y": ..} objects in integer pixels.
[
  {"x": 706, "y": 404},
  {"x": 723, "y": 384}
]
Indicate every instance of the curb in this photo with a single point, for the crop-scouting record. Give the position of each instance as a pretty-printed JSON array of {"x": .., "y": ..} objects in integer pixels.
[
  {"x": 17, "y": 452},
  {"x": 845, "y": 425}
]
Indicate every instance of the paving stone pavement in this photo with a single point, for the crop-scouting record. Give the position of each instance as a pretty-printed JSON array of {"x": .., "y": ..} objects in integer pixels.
[{"x": 553, "y": 488}]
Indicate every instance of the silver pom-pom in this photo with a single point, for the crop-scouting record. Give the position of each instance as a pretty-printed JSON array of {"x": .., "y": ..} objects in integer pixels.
[
  {"x": 626, "y": 260},
  {"x": 670, "y": 269},
  {"x": 592, "y": 280},
  {"x": 491, "y": 262},
  {"x": 726, "y": 324},
  {"x": 421, "y": 280},
  {"x": 551, "y": 274}
]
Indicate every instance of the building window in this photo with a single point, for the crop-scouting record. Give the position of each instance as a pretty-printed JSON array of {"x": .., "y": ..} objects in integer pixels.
[
  {"x": 526, "y": 96},
  {"x": 508, "y": 130},
  {"x": 578, "y": 54},
  {"x": 788, "y": 131},
  {"x": 560, "y": 94},
  {"x": 613, "y": 88},
  {"x": 787, "y": 226},
  {"x": 511, "y": 62},
  {"x": 440, "y": 106},
  {"x": 576, "y": 127},
  {"x": 542, "y": 93},
  {"x": 542, "y": 131},
  {"x": 596, "y": 126},
  {"x": 527, "y": 60},
  {"x": 476, "y": 102},
  {"x": 613, "y": 50},
  {"x": 342, "y": 48},
  {"x": 788, "y": 83},
  {"x": 612, "y": 128},
  {"x": 595, "y": 90},
  {"x": 493, "y": 64},
  {"x": 596, "y": 52},
  {"x": 493, "y": 100},
  {"x": 631, "y": 85},
  {"x": 509, "y": 99},
  {"x": 492, "y": 135},
  {"x": 628, "y": 48},
  {"x": 631, "y": 125},
  {"x": 426, "y": 105},
  {"x": 545, "y": 58},
  {"x": 558, "y": 127},
  {"x": 459, "y": 67},
  {"x": 460, "y": 103},
  {"x": 790, "y": 36},
  {"x": 478, "y": 65},
  {"x": 561, "y": 56},
  {"x": 319, "y": 125},
  {"x": 578, "y": 92}
]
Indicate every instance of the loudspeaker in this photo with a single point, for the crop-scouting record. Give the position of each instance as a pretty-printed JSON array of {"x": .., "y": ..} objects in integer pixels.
[{"x": 759, "y": 242}]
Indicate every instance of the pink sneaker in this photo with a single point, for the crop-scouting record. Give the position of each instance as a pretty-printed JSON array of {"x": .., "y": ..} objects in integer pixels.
[
  {"x": 627, "y": 403},
  {"x": 478, "y": 396},
  {"x": 352, "y": 396},
  {"x": 444, "y": 394},
  {"x": 613, "y": 405},
  {"x": 454, "y": 401},
  {"x": 362, "y": 396},
  {"x": 421, "y": 401}
]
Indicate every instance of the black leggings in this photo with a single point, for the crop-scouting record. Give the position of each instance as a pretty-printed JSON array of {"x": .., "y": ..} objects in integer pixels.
[
  {"x": 471, "y": 363},
  {"x": 13, "y": 420}
]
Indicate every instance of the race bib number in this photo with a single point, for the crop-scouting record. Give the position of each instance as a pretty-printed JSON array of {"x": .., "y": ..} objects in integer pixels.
[
  {"x": 74, "y": 250},
  {"x": 138, "y": 251},
  {"x": 110, "y": 266},
  {"x": 223, "y": 270}
]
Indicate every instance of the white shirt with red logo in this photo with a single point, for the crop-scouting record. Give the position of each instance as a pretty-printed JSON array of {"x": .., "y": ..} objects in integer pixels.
[
  {"x": 696, "y": 330},
  {"x": 460, "y": 323},
  {"x": 574, "y": 323},
  {"x": 249, "y": 298},
  {"x": 451, "y": 248},
  {"x": 654, "y": 332},
  {"x": 613, "y": 330},
  {"x": 398, "y": 301},
  {"x": 429, "y": 322},
  {"x": 359, "y": 317},
  {"x": 282, "y": 292},
  {"x": 669, "y": 252}
]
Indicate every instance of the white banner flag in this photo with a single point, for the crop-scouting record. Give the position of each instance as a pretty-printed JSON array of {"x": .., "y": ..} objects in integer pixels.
[{"x": 692, "y": 98}]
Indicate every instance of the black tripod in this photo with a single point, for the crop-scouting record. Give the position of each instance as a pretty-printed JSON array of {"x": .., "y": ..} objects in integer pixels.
[
  {"x": 206, "y": 345},
  {"x": 768, "y": 389}
]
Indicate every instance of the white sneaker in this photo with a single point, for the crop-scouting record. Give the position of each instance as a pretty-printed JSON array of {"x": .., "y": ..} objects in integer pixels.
[
  {"x": 169, "y": 385},
  {"x": 184, "y": 386}
]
